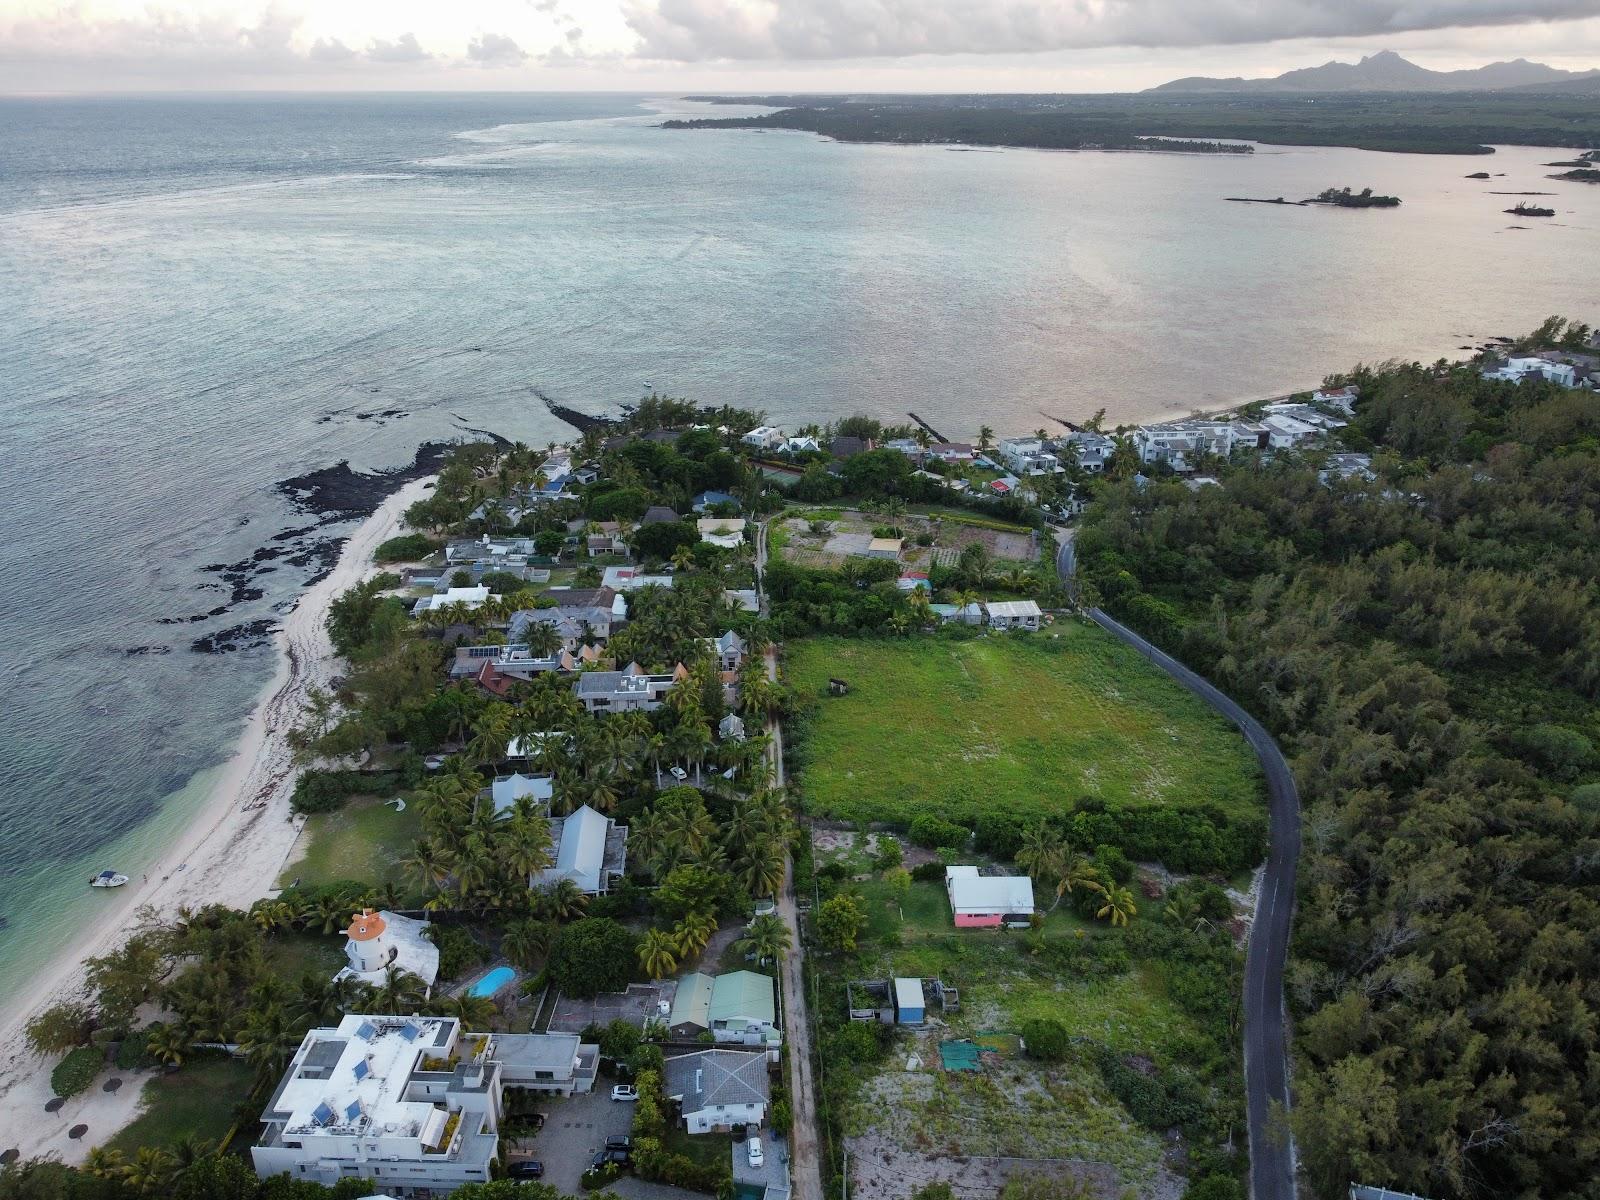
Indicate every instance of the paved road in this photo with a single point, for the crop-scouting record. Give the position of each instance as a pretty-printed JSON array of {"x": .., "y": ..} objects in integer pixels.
[
  {"x": 805, "y": 1158},
  {"x": 1266, "y": 1050}
]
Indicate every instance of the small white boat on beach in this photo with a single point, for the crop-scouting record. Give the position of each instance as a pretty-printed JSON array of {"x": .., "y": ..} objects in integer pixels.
[{"x": 108, "y": 879}]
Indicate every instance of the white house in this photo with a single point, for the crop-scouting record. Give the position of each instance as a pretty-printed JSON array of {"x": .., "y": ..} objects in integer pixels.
[
  {"x": 988, "y": 901},
  {"x": 727, "y": 532},
  {"x": 764, "y": 437},
  {"x": 1028, "y": 456},
  {"x": 377, "y": 941},
  {"x": 627, "y": 690},
  {"x": 954, "y": 453},
  {"x": 719, "y": 1090},
  {"x": 472, "y": 597},
  {"x": 1181, "y": 442},
  {"x": 591, "y": 850},
  {"x": 727, "y": 651},
  {"x": 372, "y": 1098},
  {"x": 1013, "y": 614},
  {"x": 1342, "y": 398},
  {"x": 731, "y": 728},
  {"x": 801, "y": 444},
  {"x": 628, "y": 579},
  {"x": 1518, "y": 369},
  {"x": 559, "y": 1064},
  {"x": 506, "y": 790},
  {"x": 1092, "y": 451}
]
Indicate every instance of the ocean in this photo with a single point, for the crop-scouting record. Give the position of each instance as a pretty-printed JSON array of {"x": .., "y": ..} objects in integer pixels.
[{"x": 204, "y": 296}]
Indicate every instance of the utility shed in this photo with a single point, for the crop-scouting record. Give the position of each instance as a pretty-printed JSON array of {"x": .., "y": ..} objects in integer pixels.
[{"x": 908, "y": 1002}]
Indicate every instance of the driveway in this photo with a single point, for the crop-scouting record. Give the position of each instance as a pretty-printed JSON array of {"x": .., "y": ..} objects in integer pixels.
[{"x": 574, "y": 1128}]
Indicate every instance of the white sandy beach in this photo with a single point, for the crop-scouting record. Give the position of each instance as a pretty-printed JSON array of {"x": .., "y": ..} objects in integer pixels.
[{"x": 231, "y": 854}]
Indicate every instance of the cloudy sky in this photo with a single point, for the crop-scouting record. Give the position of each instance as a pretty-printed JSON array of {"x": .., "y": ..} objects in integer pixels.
[{"x": 750, "y": 45}]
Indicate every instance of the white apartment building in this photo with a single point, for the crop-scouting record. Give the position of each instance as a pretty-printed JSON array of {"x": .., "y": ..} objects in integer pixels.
[
  {"x": 1181, "y": 443},
  {"x": 764, "y": 437},
  {"x": 1028, "y": 456}
]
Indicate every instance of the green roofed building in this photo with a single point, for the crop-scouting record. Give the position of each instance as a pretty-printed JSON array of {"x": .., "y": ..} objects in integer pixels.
[
  {"x": 743, "y": 1010},
  {"x": 691, "y": 1006}
]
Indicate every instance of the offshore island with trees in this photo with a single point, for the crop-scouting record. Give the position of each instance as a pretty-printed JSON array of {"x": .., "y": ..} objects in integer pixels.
[{"x": 842, "y": 715}]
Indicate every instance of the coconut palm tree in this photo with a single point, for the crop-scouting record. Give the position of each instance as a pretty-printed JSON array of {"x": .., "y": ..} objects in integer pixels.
[
  {"x": 525, "y": 845},
  {"x": 1118, "y": 906},
  {"x": 1072, "y": 871},
  {"x": 149, "y": 1171},
  {"x": 658, "y": 954},
  {"x": 320, "y": 1000},
  {"x": 767, "y": 938},
  {"x": 103, "y": 1162},
  {"x": 694, "y": 932},
  {"x": 188, "y": 1152},
  {"x": 1040, "y": 852},
  {"x": 328, "y": 915},
  {"x": 648, "y": 840},
  {"x": 474, "y": 1012},
  {"x": 561, "y": 901},
  {"x": 400, "y": 992},
  {"x": 269, "y": 916},
  {"x": 761, "y": 868},
  {"x": 427, "y": 864},
  {"x": 527, "y": 942},
  {"x": 985, "y": 438},
  {"x": 266, "y": 1041},
  {"x": 683, "y": 558},
  {"x": 168, "y": 1044}
]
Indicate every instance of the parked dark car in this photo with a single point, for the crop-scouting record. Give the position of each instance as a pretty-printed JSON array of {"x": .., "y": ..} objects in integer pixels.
[
  {"x": 611, "y": 1155},
  {"x": 619, "y": 1141},
  {"x": 530, "y": 1169}
]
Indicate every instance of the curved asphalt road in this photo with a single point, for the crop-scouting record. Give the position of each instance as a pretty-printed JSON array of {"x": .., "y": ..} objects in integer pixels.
[{"x": 1266, "y": 1050}]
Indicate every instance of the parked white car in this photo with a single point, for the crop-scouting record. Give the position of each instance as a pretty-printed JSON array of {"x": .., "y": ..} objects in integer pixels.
[
  {"x": 679, "y": 774},
  {"x": 756, "y": 1157},
  {"x": 624, "y": 1091}
]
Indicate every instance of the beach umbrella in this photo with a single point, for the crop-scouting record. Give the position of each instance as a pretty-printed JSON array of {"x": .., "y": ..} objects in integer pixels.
[
  {"x": 9, "y": 1156},
  {"x": 54, "y": 1105},
  {"x": 111, "y": 1085},
  {"x": 77, "y": 1131}
]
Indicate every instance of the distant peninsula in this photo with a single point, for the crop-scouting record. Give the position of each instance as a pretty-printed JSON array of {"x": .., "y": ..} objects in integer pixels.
[
  {"x": 1345, "y": 198},
  {"x": 1214, "y": 122},
  {"x": 1530, "y": 210}
]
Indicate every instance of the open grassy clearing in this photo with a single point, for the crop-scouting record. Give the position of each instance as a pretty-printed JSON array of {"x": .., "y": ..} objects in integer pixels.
[
  {"x": 1026, "y": 724},
  {"x": 199, "y": 1101},
  {"x": 365, "y": 840}
]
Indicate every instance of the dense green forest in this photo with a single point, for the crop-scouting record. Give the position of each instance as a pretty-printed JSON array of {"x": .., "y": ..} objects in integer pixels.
[
  {"x": 1426, "y": 645},
  {"x": 1448, "y": 123}
]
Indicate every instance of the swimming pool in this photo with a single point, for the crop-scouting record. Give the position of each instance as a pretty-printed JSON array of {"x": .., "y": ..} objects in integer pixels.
[{"x": 492, "y": 982}]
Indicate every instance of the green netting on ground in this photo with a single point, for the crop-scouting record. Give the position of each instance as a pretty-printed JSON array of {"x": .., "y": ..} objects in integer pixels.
[{"x": 959, "y": 1056}]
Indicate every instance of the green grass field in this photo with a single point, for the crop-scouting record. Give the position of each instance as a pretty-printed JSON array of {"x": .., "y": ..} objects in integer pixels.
[
  {"x": 1026, "y": 724},
  {"x": 198, "y": 1100},
  {"x": 365, "y": 840}
]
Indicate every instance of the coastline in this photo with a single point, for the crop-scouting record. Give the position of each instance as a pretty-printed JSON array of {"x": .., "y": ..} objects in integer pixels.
[{"x": 231, "y": 853}]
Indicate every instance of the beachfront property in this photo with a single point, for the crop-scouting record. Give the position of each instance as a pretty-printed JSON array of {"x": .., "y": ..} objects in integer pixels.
[
  {"x": 627, "y": 690},
  {"x": 764, "y": 437},
  {"x": 802, "y": 444},
  {"x": 411, "y": 1103},
  {"x": 1179, "y": 444},
  {"x": 726, "y": 532},
  {"x": 979, "y": 901},
  {"x": 471, "y": 597},
  {"x": 1342, "y": 398},
  {"x": 492, "y": 552},
  {"x": 376, "y": 941},
  {"x": 1515, "y": 370},
  {"x": 406, "y": 1102},
  {"x": 719, "y": 1090},
  {"x": 591, "y": 851},
  {"x": 1028, "y": 456},
  {"x": 1091, "y": 451}
]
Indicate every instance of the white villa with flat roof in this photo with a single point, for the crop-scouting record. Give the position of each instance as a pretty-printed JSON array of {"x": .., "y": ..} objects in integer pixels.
[
  {"x": 377, "y": 1098},
  {"x": 472, "y": 597}
]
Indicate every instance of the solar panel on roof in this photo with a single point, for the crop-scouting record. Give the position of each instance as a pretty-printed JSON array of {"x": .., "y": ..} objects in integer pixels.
[
  {"x": 409, "y": 1031},
  {"x": 322, "y": 1114},
  {"x": 362, "y": 1070},
  {"x": 352, "y": 1111},
  {"x": 366, "y": 1031}
]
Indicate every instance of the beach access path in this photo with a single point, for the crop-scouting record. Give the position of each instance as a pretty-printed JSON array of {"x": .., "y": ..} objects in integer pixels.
[{"x": 230, "y": 854}]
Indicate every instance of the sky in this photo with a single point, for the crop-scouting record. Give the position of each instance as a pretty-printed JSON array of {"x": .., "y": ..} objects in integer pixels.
[{"x": 72, "y": 46}]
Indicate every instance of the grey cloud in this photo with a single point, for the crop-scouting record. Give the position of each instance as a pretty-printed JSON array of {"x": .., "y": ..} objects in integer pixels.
[
  {"x": 330, "y": 50},
  {"x": 495, "y": 50},
  {"x": 404, "y": 49},
  {"x": 700, "y": 30},
  {"x": 574, "y": 35}
]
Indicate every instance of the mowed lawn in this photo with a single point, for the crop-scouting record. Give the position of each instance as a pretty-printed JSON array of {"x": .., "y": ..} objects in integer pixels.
[
  {"x": 199, "y": 1100},
  {"x": 365, "y": 840},
  {"x": 1027, "y": 724}
]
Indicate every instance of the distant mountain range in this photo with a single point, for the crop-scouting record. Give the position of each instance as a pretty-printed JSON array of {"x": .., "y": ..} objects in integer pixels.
[{"x": 1388, "y": 72}]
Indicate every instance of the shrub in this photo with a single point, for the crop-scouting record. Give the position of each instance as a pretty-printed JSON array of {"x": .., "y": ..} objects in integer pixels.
[
  {"x": 935, "y": 832},
  {"x": 592, "y": 956},
  {"x": 1047, "y": 1039},
  {"x": 326, "y": 791},
  {"x": 459, "y": 952},
  {"x": 928, "y": 872},
  {"x": 59, "y": 1028},
  {"x": 75, "y": 1072},
  {"x": 1214, "y": 1187},
  {"x": 408, "y": 547}
]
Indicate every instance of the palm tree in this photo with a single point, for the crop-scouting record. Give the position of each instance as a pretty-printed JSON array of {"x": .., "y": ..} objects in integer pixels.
[
  {"x": 149, "y": 1171},
  {"x": 103, "y": 1162},
  {"x": 1118, "y": 906},
  {"x": 526, "y": 942},
  {"x": 322, "y": 1001},
  {"x": 683, "y": 558},
  {"x": 767, "y": 938},
  {"x": 525, "y": 845},
  {"x": 561, "y": 901},
  {"x": 267, "y": 1040},
  {"x": 985, "y": 438},
  {"x": 329, "y": 914},
  {"x": 694, "y": 932},
  {"x": 400, "y": 991},
  {"x": 169, "y": 1044},
  {"x": 427, "y": 864},
  {"x": 188, "y": 1152},
  {"x": 1040, "y": 852},
  {"x": 658, "y": 954},
  {"x": 269, "y": 916},
  {"x": 762, "y": 867},
  {"x": 474, "y": 1012},
  {"x": 1073, "y": 871}
]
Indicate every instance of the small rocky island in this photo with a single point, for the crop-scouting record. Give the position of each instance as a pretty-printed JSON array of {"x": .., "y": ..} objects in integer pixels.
[
  {"x": 1524, "y": 209},
  {"x": 1479, "y": 175},
  {"x": 1345, "y": 198}
]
